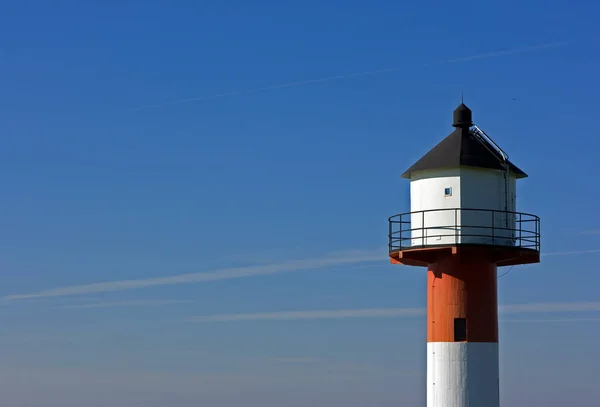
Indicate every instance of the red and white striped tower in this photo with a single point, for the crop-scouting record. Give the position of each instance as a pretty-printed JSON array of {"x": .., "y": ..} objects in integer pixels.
[{"x": 462, "y": 226}]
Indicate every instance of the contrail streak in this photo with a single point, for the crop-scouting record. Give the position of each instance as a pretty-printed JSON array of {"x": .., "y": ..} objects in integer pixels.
[
  {"x": 552, "y": 320},
  {"x": 353, "y": 258},
  {"x": 486, "y": 55},
  {"x": 590, "y": 232},
  {"x": 132, "y": 303},
  {"x": 348, "y": 258},
  {"x": 315, "y": 314},
  {"x": 571, "y": 252},
  {"x": 395, "y": 313},
  {"x": 507, "y": 52}
]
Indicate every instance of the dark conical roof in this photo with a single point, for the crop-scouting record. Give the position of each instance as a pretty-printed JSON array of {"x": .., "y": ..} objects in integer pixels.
[{"x": 462, "y": 149}]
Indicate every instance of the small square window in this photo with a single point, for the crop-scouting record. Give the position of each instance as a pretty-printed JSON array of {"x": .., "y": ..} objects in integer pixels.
[{"x": 448, "y": 192}]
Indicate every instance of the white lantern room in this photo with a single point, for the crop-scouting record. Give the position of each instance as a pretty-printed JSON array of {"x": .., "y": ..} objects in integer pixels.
[{"x": 463, "y": 191}]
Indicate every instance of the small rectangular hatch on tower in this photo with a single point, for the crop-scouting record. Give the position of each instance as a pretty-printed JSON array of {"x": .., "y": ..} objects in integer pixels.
[{"x": 460, "y": 329}]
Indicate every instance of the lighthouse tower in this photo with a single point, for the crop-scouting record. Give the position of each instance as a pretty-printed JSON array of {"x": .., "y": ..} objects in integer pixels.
[{"x": 462, "y": 226}]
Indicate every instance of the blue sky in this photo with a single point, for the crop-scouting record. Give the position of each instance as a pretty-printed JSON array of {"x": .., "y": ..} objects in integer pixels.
[{"x": 195, "y": 197}]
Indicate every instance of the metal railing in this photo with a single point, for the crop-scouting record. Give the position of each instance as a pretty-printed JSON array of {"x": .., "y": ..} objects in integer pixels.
[{"x": 439, "y": 227}]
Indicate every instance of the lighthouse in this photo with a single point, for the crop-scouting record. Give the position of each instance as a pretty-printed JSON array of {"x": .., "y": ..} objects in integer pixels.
[{"x": 462, "y": 226}]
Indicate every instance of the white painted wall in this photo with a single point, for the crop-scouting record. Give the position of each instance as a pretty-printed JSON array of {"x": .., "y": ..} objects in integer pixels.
[
  {"x": 485, "y": 189},
  {"x": 427, "y": 192},
  {"x": 472, "y": 188},
  {"x": 462, "y": 374}
]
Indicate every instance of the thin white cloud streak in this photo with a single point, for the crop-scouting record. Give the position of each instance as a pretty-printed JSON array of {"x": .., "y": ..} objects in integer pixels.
[
  {"x": 333, "y": 260},
  {"x": 551, "y": 307},
  {"x": 590, "y": 232},
  {"x": 512, "y": 51},
  {"x": 553, "y": 320},
  {"x": 322, "y": 365},
  {"x": 300, "y": 360},
  {"x": 132, "y": 303},
  {"x": 316, "y": 314},
  {"x": 571, "y": 252},
  {"x": 388, "y": 312},
  {"x": 486, "y": 55},
  {"x": 340, "y": 259}
]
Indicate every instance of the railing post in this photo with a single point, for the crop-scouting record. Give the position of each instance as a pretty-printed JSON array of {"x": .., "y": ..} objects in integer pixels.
[
  {"x": 423, "y": 228},
  {"x": 455, "y": 225},
  {"x": 401, "y": 241},
  {"x": 390, "y": 235},
  {"x": 538, "y": 240},
  {"x": 520, "y": 229},
  {"x": 493, "y": 227}
]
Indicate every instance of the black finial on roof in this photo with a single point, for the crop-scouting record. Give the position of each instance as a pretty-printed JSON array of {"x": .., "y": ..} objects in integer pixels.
[{"x": 463, "y": 117}]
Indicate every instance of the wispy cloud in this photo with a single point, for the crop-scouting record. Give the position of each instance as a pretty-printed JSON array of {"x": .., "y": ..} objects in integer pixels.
[
  {"x": 553, "y": 320},
  {"x": 315, "y": 314},
  {"x": 485, "y": 55},
  {"x": 299, "y": 360},
  {"x": 331, "y": 366},
  {"x": 511, "y": 51},
  {"x": 571, "y": 252},
  {"x": 551, "y": 307},
  {"x": 333, "y": 260},
  {"x": 590, "y": 232},
  {"x": 132, "y": 303},
  {"x": 389, "y": 312},
  {"x": 348, "y": 258}
]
